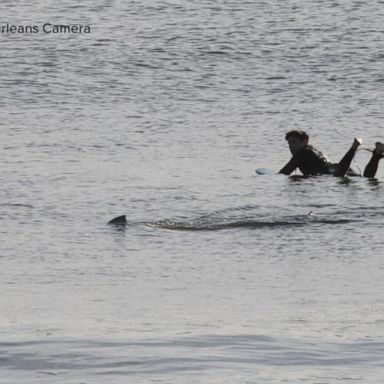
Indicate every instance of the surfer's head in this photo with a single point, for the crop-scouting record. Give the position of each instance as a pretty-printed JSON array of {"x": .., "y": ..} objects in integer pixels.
[{"x": 296, "y": 140}]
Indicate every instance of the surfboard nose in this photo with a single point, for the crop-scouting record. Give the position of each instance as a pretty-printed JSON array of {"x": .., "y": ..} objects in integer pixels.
[{"x": 120, "y": 220}]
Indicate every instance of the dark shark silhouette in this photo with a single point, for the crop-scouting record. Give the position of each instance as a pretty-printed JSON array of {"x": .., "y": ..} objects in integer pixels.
[{"x": 120, "y": 220}]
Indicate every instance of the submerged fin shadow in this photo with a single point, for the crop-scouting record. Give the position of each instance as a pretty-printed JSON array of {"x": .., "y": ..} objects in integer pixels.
[{"x": 248, "y": 224}]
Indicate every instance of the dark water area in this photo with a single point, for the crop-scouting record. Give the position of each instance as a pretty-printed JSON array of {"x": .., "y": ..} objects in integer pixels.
[{"x": 196, "y": 359}]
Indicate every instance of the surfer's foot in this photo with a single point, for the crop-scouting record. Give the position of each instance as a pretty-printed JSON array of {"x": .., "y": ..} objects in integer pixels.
[
  {"x": 379, "y": 149},
  {"x": 357, "y": 142}
]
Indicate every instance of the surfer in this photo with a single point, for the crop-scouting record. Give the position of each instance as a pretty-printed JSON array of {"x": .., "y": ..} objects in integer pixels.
[{"x": 311, "y": 161}]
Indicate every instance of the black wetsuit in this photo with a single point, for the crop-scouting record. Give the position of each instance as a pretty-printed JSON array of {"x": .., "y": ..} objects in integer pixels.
[{"x": 310, "y": 161}]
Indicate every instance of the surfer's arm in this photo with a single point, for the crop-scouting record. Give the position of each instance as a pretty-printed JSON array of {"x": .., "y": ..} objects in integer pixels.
[{"x": 290, "y": 166}]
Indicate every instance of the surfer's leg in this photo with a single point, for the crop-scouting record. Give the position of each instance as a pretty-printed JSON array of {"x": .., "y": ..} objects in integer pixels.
[
  {"x": 346, "y": 161},
  {"x": 377, "y": 154}
]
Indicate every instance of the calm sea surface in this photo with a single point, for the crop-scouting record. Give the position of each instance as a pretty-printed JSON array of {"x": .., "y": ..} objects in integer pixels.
[{"x": 162, "y": 113}]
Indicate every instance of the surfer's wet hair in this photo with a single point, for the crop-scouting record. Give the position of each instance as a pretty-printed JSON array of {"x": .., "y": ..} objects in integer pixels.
[{"x": 301, "y": 135}]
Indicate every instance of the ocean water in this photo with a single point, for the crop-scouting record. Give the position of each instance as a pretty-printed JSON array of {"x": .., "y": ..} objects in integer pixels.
[{"x": 162, "y": 113}]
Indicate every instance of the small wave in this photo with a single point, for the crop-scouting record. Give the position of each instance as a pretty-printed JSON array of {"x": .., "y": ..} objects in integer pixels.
[{"x": 16, "y": 205}]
